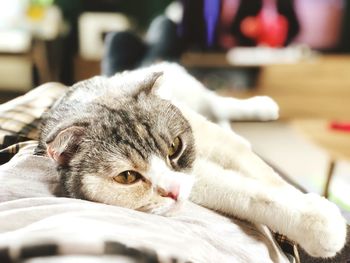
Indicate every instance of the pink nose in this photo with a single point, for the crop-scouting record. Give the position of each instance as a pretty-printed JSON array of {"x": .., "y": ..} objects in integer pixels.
[{"x": 173, "y": 193}]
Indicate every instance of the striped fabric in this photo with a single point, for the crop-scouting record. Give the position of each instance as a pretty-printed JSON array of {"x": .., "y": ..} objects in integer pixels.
[
  {"x": 108, "y": 251},
  {"x": 20, "y": 118}
]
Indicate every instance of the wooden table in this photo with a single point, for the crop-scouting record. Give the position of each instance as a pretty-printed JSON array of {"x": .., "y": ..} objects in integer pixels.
[{"x": 336, "y": 143}]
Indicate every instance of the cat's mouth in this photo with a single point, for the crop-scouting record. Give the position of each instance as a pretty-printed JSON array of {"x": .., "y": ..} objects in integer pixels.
[{"x": 168, "y": 207}]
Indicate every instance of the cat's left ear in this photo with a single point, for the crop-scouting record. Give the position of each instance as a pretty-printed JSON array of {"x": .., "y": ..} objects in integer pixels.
[
  {"x": 151, "y": 82},
  {"x": 65, "y": 144}
]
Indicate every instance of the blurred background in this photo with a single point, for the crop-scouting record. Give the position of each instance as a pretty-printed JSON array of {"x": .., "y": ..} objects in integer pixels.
[{"x": 297, "y": 52}]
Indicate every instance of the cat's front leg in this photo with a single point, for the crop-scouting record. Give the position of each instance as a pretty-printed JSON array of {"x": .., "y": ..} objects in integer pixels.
[
  {"x": 260, "y": 195},
  {"x": 313, "y": 222},
  {"x": 261, "y": 108}
]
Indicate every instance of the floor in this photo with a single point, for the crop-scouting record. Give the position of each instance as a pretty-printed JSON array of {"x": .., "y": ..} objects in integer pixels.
[{"x": 305, "y": 163}]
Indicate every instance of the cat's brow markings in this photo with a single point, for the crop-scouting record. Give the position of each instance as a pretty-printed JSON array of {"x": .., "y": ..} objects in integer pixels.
[
  {"x": 144, "y": 133},
  {"x": 126, "y": 136},
  {"x": 138, "y": 146},
  {"x": 164, "y": 138},
  {"x": 151, "y": 136}
]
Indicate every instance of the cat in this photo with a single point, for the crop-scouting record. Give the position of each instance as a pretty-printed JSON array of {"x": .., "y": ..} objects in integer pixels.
[{"x": 120, "y": 141}]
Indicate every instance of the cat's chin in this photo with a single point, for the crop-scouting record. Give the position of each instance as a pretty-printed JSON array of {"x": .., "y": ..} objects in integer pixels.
[
  {"x": 168, "y": 209},
  {"x": 175, "y": 209}
]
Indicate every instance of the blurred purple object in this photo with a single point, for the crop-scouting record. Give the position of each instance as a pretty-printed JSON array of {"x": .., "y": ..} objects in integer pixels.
[
  {"x": 211, "y": 15},
  {"x": 320, "y": 22},
  {"x": 228, "y": 12}
]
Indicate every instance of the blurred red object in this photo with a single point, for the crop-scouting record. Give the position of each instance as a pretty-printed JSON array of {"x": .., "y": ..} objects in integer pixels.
[
  {"x": 268, "y": 27},
  {"x": 340, "y": 126}
]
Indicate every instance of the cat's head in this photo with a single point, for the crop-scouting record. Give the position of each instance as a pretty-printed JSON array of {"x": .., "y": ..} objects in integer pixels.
[{"x": 130, "y": 149}]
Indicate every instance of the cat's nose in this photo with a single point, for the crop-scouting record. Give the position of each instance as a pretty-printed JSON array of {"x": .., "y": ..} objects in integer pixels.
[{"x": 173, "y": 193}]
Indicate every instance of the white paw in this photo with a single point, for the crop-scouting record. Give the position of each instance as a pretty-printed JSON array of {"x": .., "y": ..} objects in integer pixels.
[
  {"x": 264, "y": 108},
  {"x": 322, "y": 230}
]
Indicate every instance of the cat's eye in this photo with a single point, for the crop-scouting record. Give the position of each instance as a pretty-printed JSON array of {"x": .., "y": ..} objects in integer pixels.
[
  {"x": 127, "y": 177},
  {"x": 175, "y": 148}
]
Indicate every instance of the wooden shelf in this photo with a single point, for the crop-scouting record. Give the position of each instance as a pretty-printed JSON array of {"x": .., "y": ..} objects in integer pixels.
[
  {"x": 209, "y": 60},
  {"x": 316, "y": 89}
]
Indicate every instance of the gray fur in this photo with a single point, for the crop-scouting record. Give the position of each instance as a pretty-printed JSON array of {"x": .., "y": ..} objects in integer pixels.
[{"x": 99, "y": 122}]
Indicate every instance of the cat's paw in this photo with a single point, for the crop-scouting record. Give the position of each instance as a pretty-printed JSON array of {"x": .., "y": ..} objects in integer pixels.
[
  {"x": 323, "y": 228},
  {"x": 265, "y": 108}
]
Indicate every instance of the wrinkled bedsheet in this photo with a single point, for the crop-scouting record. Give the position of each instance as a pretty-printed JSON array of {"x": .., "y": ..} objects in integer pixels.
[{"x": 36, "y": 226}]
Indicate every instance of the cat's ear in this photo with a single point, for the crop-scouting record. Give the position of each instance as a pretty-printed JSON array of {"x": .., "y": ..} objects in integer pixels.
[
  {"x": 149, "y": 84},
  {"x": 65, "y": 144}
]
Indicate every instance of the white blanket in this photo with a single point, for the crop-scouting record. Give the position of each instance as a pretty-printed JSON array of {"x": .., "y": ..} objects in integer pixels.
[{"x": 31, "y": 214}]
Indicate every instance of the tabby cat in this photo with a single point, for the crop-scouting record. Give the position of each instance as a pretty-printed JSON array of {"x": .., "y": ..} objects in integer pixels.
[{"x": 120, "y": 141}]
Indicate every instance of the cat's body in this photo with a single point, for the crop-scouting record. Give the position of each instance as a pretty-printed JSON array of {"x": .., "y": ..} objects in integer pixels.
[{"x": 115, "y": 141}]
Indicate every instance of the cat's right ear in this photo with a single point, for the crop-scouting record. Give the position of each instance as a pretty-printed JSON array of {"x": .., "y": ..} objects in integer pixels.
[
  {"x": 65, "y": 144},
  {"x": 149, "y": 83}
]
